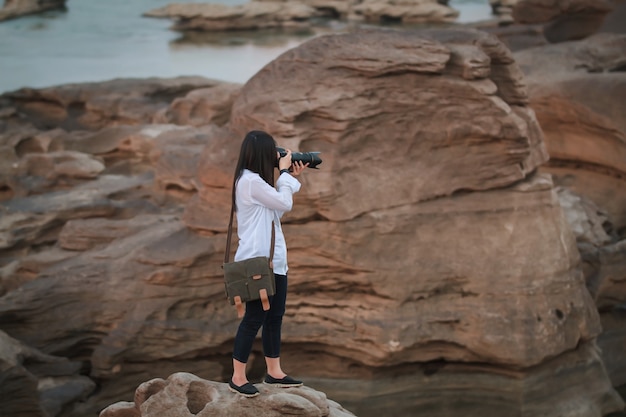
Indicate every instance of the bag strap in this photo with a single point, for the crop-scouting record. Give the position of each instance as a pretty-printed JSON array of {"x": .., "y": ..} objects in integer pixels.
[{"x": 230, "y": 235}]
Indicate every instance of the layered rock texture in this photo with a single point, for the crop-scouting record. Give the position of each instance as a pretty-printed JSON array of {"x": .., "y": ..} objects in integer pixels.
[
  {"x": 576, "y": 90},
  {"x": 264, "y": 14},
  {"x": 252, "y": 15},
  {"x": 433, "y": 269}
]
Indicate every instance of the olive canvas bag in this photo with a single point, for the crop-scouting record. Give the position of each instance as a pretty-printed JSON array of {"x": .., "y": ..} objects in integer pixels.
[{"x": 249, "y": 279}]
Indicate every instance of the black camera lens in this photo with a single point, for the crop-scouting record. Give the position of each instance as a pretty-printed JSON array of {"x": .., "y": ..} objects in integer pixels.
[{"x": 312, "y": 158}]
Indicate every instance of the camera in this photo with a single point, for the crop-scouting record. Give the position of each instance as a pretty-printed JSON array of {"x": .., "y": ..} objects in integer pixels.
[{"x": 312, "y": 158}]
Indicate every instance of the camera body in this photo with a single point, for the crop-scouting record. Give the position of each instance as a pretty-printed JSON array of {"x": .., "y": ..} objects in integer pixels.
[{"x": 312, "y": 158}]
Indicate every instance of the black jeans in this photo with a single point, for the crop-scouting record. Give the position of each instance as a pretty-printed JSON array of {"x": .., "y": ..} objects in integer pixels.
[{"x": 271, "y": 320}]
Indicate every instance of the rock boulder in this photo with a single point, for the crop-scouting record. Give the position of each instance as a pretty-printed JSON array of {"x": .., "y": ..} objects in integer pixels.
[{"x": 184, "y": 394}]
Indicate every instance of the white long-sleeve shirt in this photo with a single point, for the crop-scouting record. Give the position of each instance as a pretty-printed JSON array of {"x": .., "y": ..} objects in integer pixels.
[{"x": 258, "y": 204}]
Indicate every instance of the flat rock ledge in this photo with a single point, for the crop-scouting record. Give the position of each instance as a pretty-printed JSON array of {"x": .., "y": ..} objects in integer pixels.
[
  {"x": 218, "y": 17},
  {"x": 266, "y": 14},
  {"x": 184, "y": 394}
]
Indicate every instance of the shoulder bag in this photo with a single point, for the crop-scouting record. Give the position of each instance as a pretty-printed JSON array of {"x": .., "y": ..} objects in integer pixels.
[{"x": 249, "y": 279}]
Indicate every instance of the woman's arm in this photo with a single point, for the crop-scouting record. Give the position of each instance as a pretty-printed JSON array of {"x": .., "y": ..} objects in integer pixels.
[{"x": 282, "y": 199}]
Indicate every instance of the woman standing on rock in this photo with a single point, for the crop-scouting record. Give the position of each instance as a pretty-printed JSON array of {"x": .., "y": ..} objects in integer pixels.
[{"x": 258, "y": 204}]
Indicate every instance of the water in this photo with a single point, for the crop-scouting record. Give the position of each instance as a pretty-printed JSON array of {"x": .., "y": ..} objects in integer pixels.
[
  {"x": 471, "y": 10},
  {"x": 97, "y": 40}
]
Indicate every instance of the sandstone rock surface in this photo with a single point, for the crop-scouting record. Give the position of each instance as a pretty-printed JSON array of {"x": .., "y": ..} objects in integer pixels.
[
  {"x": 355, "y": 79},
  {"x": 345, "y": 124},
  {"x": 264, "y": 14},
  {"x": 576, "y": 90},
  {"x": 33, "y": 383},
  {"x": 107, "y": 104},
  {"x": 202, "y": 106},
  {"x": 251, "y": 15},
  {"x": 404, "y": 11},
  {"x": 428, "y": 250},
  {"x": 184, "y": 394}
]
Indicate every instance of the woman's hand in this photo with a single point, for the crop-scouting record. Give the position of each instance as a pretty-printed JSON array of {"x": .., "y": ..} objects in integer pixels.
[
  {"x": 285, "y": 161},
  {"x": 298, "y": 167}
]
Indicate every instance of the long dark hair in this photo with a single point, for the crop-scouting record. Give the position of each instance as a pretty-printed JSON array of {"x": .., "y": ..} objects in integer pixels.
[{"x": 258, "y": 154}]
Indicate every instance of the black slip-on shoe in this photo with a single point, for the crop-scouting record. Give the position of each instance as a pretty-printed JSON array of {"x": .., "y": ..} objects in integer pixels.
[
  {"x": 247, "y": 390},
  {"x": 286, "y": 382}
]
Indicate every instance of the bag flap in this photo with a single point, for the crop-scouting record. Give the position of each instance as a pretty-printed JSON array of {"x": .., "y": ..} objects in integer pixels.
[
  {"x": 247, "y": 268},
  {"x": 257, "y": 266}
]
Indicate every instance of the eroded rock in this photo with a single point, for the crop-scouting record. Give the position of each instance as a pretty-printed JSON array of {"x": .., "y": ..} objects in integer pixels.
[
  {"x": 428, "y": 240},
  {"x": 452, "y": 389},
  {"x": 200, "y": 107},
  {"x": 183, "y": 393},
  {"x": 94, "y": 106},
  {"x": 576, "y": 89},
  {"x": 265, "y": 14},
  {"x": 251, "y": 15},
  {"x": 37, "y": 384},
  {"x": 340, "y": 110}
]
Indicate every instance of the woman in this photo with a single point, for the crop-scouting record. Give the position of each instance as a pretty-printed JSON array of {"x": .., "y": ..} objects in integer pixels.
[{"x": 258, "y": 204}]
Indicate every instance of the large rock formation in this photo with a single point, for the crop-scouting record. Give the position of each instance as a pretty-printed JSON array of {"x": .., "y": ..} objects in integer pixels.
[
  {"x": 577, "y": 89},
  {"x": 432, "y": 266}
]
